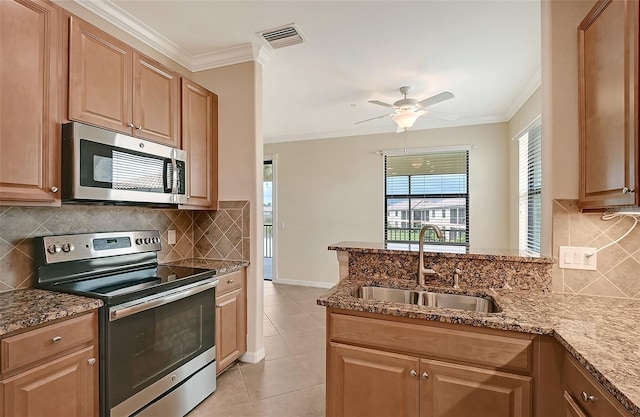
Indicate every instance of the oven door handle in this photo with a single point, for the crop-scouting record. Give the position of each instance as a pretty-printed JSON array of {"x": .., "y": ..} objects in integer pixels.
[{"x": 116, "y": 313}]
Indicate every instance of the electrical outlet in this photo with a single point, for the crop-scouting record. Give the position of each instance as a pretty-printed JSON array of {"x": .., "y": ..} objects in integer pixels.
[
  {"x": 576, "y": 257},
  {"x": 171, "y": 237}
]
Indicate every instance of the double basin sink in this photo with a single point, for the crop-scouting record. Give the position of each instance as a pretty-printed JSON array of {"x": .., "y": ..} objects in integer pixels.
[{"x": 428, "y": 298}]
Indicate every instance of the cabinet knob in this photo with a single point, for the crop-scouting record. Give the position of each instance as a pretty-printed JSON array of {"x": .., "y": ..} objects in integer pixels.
[
  {"x": 91, "y": 361},
  {"x": 56, "y": 339},
  {"x": 627, "y": 190},
  {"x": 54, "y": 189},
  {"x": 413, "y": 373},
  {"x": 586, "y": 397},
  {"x": 229, "y": 281},
  {"x": 425, "y": 375},
  {"x": 130, "y": 125},
  {"x": 138, "y": 127}
]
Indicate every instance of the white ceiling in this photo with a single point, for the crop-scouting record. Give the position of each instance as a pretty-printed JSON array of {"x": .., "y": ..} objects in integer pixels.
[{"x": 485, "y": 52}]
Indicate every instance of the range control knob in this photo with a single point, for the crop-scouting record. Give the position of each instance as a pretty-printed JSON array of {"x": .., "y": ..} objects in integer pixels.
[
  {"x": 68, "y": 247},
  {"x": 138, "y": 241},
  {"x": 147, "y": 240},
  {"x": 53, "y": 249},
  {"x": 156, "y": 240}
]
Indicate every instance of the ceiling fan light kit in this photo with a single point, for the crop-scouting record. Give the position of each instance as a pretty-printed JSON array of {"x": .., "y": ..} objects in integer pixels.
[{"x": 407, "y": 110}]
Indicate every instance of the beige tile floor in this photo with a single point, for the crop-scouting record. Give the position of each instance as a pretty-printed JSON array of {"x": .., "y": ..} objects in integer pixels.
[{"x": 290, "y": 381}]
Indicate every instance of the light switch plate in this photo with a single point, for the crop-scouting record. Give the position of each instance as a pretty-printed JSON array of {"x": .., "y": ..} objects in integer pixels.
[
  {"x": 171, "y": 237},
  {"x": 578, "y": 257}
]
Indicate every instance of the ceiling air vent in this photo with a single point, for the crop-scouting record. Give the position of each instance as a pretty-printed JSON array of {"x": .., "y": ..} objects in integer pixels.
[{"x": 283, "y": 36}]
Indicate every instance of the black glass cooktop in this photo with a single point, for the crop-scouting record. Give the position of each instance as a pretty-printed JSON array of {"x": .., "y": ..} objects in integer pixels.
[{"x": 130, "y": 284}]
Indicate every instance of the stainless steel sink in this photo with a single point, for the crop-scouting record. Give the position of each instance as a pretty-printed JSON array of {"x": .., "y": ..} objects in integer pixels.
[{"x": 426, "y": 298}]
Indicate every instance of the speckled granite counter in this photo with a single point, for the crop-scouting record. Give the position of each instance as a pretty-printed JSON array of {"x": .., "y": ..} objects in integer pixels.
[
  {"x": 221, "y": 267},
  {"x": 433, "y": 250},
  {"x": 21, "y": 309},
  {"x": 601, "y": 333}
]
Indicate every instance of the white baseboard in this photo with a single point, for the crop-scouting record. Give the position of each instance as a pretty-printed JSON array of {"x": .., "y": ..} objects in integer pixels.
[
  {"x": 315, "y": 284},
  {"x": 253, "y": 357}
]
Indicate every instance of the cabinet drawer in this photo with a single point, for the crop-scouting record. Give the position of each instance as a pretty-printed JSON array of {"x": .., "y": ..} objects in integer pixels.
[
  {"x": 229, "y": 282},
  {"x": 33, "y": 346},
  {"x": 599, "y": 402},
  {"x": 483, "y": 348}
]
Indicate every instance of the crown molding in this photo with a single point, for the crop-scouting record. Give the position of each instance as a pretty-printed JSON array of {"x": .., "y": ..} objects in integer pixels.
[
  {"x": 112, "y": 13},
  {"x": 236, "y": 55},
  {"x": 525, "y": 94}
]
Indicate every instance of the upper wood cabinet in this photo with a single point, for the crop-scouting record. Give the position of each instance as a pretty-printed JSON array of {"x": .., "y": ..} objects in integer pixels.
[
  {"x": 31, "y": 83},
  {"x": 113, "y": 86},
  {"x": 608, "y": 100},
  {"x": 200, "y": 140}
]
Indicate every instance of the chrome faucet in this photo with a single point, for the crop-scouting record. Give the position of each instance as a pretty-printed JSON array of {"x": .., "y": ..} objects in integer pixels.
[{"x": 422, "y": 271}]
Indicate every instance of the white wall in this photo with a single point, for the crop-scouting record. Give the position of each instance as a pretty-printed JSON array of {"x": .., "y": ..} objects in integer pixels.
[
  {"x": 239, "y": 90},
  {"x": 332, "y": 190},
  {"x": 560, "y": 91}
]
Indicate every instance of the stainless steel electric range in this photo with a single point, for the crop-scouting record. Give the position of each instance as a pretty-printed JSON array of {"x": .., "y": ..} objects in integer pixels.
[{"x": 157, "y": 325}]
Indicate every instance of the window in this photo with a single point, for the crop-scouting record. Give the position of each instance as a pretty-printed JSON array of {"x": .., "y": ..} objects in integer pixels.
[
  {"x": 530, "y": 188},
  {"x": 422, "y": 184}
]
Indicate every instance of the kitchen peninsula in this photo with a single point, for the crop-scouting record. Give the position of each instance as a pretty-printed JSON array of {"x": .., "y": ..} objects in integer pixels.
[{"x": 546, "y": 339}]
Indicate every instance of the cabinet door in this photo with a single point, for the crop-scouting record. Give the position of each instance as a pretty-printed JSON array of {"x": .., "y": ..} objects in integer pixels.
[
  {"x": 65, "y": 387},
  {"x": 100, "y": 68},
  {"x": 231, "y": 328},
  {"x": 608, "y": 96},
  {"x": 156, "y": 101},
  {"x": 200, "y": 140},
  {"x": 371, "y": 383},
  {"x": 451, "y": 390},
  {"x": 30, "y": 81}
]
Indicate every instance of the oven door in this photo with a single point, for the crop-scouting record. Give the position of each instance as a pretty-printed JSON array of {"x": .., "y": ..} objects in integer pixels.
[{"x": 156, "y": 343}]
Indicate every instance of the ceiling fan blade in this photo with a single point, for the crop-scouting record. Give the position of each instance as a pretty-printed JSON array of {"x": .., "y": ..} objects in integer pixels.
[
  {"x": 439, "y": 115},
  {"x": 374, "y": 118},
  {"x": 438, "y": 98},
  {"x": 383, "y": 104}
]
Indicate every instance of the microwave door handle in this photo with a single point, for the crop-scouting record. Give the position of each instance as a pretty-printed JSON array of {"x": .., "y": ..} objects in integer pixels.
[{"x": 174, "y": 164}]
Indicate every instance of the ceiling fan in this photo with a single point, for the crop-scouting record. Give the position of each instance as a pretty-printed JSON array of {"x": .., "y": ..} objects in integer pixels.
[{"x": 407, "y": 110}]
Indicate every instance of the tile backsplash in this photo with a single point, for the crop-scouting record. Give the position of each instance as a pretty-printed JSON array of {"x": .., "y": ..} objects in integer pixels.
[
  {"x": 222, "y": 234},
  {"x": 618, "y": 273}
]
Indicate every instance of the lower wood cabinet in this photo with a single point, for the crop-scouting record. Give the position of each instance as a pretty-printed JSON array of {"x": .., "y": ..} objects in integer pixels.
[
  {"x": 52, "y": 370},
  {"x": 63, "y": 387},
  {"x": 453, "y": 390},
  {"x": 405, "y": 368},
  {"x": 231, "y": 319},
  {"x": 367, "y": 383},
  {"x": 584, "y": 396}
]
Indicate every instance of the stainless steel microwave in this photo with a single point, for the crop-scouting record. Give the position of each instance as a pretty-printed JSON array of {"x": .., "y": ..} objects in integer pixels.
[{"x": 99, "y": 165}]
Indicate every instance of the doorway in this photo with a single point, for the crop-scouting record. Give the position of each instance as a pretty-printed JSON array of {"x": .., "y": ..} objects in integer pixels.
[{"x": 268, "y": 217}]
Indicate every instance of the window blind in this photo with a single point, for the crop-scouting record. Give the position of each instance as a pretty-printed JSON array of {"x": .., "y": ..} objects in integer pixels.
[
  {"x": 427, "y": 188},
  {"x": 530, "y": 189}
]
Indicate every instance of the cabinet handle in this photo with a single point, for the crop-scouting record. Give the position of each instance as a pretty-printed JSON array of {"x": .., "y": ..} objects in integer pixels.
[
  {"x": 425, "y": 375},
  {"x": 130, "y": 125},
  {"x": 586, "y": 397},
  {"x": 56, "y": 339},
  {"x": 54, "y": 189},
  {"x": 413, "y": 373},
  {"x": 627, "y": 190},
  {"x": 91, "y": 361}
]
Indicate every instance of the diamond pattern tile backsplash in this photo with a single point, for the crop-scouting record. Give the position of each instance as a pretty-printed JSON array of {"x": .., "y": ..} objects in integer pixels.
[
  {"x": 618, "y": 265},
  {"x": 225, "y": 237}
]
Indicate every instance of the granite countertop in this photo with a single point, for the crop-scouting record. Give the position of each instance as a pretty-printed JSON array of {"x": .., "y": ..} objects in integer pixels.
[
  {"x": 444, "y": 251},
  {"x": 221, "y": 267},
  {"x": 601, "y": 333},
  {"x": 21, "y": 309}
]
